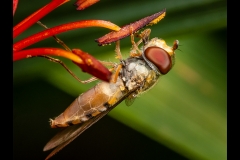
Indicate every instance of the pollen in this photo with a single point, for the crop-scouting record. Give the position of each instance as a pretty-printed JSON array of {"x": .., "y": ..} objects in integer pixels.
[
  {"x": 156, "y": 20},
  {"x": 89, "y": 62}
]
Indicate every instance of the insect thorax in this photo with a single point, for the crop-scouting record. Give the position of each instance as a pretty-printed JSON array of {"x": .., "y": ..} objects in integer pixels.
[{"x": 137, "y": 73}]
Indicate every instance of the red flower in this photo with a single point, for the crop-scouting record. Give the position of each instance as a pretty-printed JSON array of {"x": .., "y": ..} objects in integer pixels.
[
  {"x": 79, "y": 57},
  {"x": 96, "y": 68}
]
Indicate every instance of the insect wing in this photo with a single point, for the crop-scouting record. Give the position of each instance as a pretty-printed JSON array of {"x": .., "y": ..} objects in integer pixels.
[
  {"x": 66, "y": 136},
  {"x": 130, "y": 99}
]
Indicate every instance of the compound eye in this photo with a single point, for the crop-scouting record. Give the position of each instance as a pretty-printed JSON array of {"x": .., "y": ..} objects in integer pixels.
[{"x": 160, "y": 58}]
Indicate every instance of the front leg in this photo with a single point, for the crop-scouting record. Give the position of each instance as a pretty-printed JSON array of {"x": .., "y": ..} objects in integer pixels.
[
  {"x": 117, "y": 50},
  {"x": 144, "y": 35},
  {"x": 135, "y": 51}
]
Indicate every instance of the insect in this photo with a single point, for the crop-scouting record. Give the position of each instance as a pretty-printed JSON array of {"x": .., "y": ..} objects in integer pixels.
[{"x": 132, "y": 76}]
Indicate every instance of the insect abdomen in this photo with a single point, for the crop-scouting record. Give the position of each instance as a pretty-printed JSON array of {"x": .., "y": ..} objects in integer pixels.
[{"x": 89, "y": 104}]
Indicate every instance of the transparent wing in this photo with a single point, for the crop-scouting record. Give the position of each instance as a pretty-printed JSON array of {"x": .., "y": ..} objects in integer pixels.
[
  {"x": 66, "y": 136},
  {"x": 130, "y": 99}
]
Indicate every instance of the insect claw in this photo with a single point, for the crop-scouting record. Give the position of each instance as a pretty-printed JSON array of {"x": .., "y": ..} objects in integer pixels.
[{"x": 145, "y": 35}]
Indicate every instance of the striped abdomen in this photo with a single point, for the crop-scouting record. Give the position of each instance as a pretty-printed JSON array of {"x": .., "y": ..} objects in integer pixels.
[{"x": 89, "y": 104}]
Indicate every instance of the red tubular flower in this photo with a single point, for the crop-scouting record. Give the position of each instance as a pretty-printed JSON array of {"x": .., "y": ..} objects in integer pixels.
[
  {"x": 46, "y": 51},
  {"x": 81, "y": 59},
  {"x": 15, "y": 3},
  {"x": 33, "y": 18},
  {"x": 85, "y": 61},
  {"x": 92, "y": 66},
  {"x": 82, "y": 4},
  {"x": 131, "y": 28},
  {"x": 63, "y": 28}
]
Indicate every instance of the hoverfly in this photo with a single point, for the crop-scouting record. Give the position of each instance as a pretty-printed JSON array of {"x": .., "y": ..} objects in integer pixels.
[{"x": 132, "y": 76}]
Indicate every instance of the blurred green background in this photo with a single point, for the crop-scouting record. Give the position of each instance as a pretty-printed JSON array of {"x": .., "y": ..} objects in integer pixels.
[{"x": 183, "y": 117}]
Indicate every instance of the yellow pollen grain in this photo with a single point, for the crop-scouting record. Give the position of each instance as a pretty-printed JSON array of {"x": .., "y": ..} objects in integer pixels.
[
  {"x": 156, "y": 20},
  {"x": 89, "y": 62}
]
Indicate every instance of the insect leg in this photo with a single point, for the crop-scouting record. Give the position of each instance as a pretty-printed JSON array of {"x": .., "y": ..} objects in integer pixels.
[
  {"x": 144, "y": 35},
  {"x": 115, "y": 68},
  {"x": 135, "y": 51},
  {"x": 117, "y": 50},
  {"x": 59, "y": 41},
  {"x": 60, "y": 62},
  {"x": 112, "y": 64},
  {"x": 115, "y": 76}
]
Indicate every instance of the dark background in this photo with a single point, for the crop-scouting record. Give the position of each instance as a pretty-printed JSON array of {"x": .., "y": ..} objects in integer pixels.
[{"x": 182, "y": 117}]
